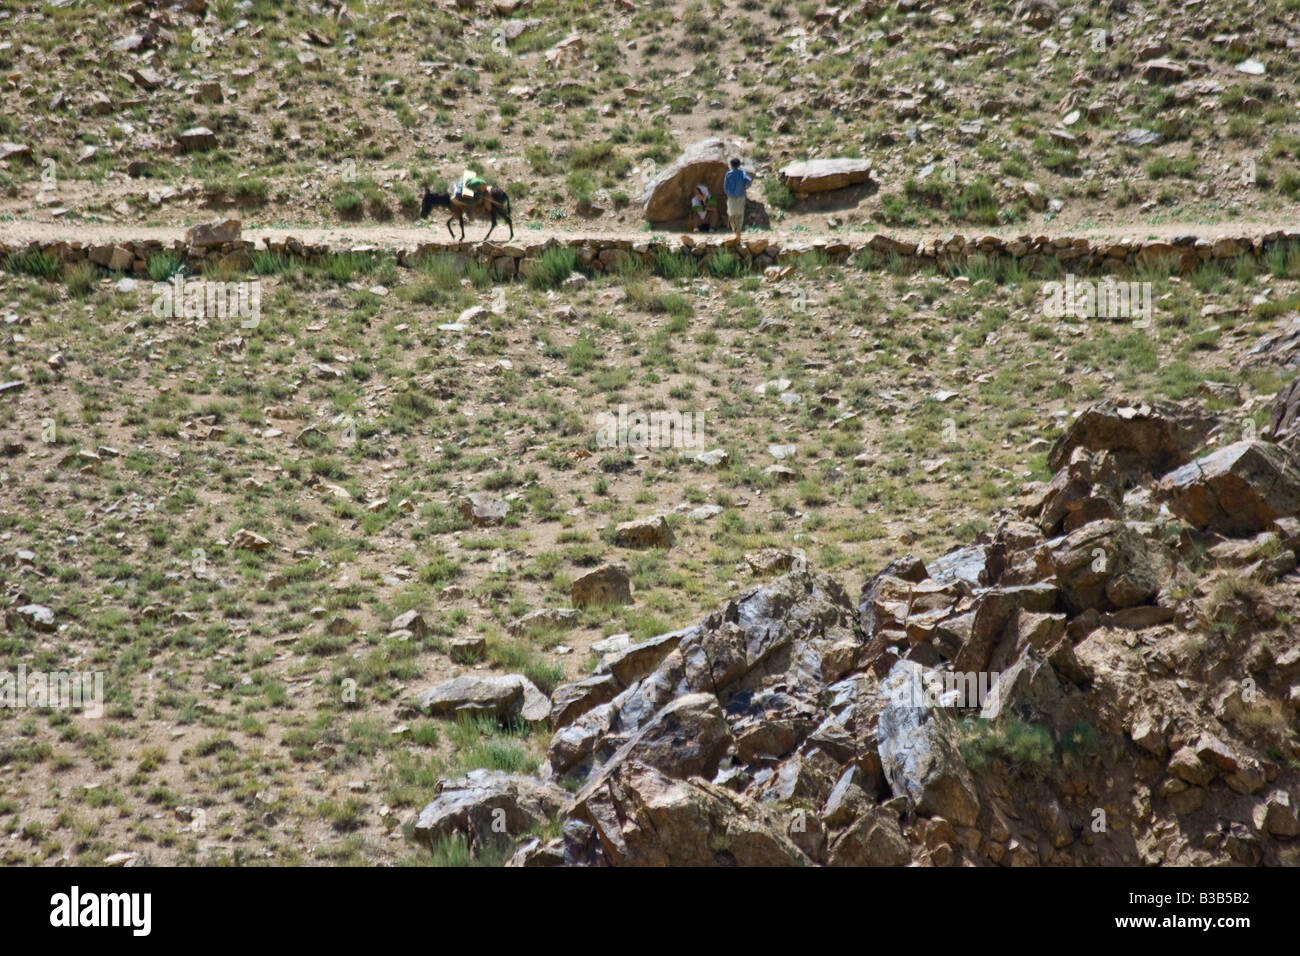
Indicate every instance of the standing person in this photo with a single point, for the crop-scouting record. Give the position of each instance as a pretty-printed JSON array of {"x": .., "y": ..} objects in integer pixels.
[{"x": 734, "y": 185}]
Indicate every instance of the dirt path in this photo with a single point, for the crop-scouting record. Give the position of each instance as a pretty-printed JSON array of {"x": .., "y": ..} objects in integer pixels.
[{"x": 395, "y": 236}]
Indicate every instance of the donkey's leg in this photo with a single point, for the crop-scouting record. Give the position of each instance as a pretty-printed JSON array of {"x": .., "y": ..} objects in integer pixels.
[
  {"x": 450, "y": 231},
  {"x": 493, "y": 213}
]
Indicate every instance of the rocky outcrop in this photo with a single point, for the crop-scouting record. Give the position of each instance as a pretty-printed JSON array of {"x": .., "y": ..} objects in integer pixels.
[
  {"x": 1142, "y": 438},
  {"x": 642, "y": 817},
  {"x": 916, "y": 751},
  {"x": 987, "y": 707}
]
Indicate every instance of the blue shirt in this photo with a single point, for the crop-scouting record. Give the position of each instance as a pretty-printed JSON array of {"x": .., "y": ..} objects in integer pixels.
[{"x": 735, "y": 182}]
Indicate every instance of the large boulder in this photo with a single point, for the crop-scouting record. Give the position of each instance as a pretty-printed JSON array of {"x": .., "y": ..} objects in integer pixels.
[
  {"x": 197, "y": 139},
  {"x": 488, "y": 808},
  {"x": 1143, "y": 438},
  {"x": 507, "y": 696},
  {"x": 651, "y": 532},
  {"x": 607, "y": 584},
  {"x": 668, "y": 197},
  {"x": 1239, "y": 489},
  {"x": 823, "y": 175}
]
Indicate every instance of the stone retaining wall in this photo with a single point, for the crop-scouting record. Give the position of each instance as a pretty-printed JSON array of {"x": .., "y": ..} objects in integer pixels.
[{"x": 507, "y": 260}]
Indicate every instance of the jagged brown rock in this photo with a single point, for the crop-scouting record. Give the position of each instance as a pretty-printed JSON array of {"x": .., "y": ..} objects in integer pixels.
[{"x": 1239, "y": 489}]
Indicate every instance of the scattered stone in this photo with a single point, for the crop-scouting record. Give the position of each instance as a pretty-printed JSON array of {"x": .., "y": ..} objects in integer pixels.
[
  {"x": 712, "y": 458},
  {"x": 197, "y": 139},
  {"x": 483, "y": 510},
  {"x": 548, "y": 618},
  {"x": 607, "y": 584},
  {"x": 1139, "y": 137},
  {"x": 771, "y": 561},
  {"x": 652, "y": 532},
  {"x": 36, "y": 616},
  {"x": 18, "y": 151},
  {"x": 467, "y": 650},
  {"x": 243, "y": 538},
  {"x": 412, "y": 621},
  {"x": 1163, "y": 70}
]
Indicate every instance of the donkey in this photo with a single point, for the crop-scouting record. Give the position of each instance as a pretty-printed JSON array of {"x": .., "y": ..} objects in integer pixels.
[{"x": 488, "y": 203}]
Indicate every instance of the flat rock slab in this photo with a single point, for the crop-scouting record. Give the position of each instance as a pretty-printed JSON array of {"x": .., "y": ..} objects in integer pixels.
[
  {"x": 823, "y": 175},
  {"x": 547, "y": 618},
  {"x": 511, "y": 695}
]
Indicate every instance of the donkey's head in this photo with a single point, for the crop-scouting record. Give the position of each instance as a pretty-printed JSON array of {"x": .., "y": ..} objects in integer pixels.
[{"x": 429, "y": 200}]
